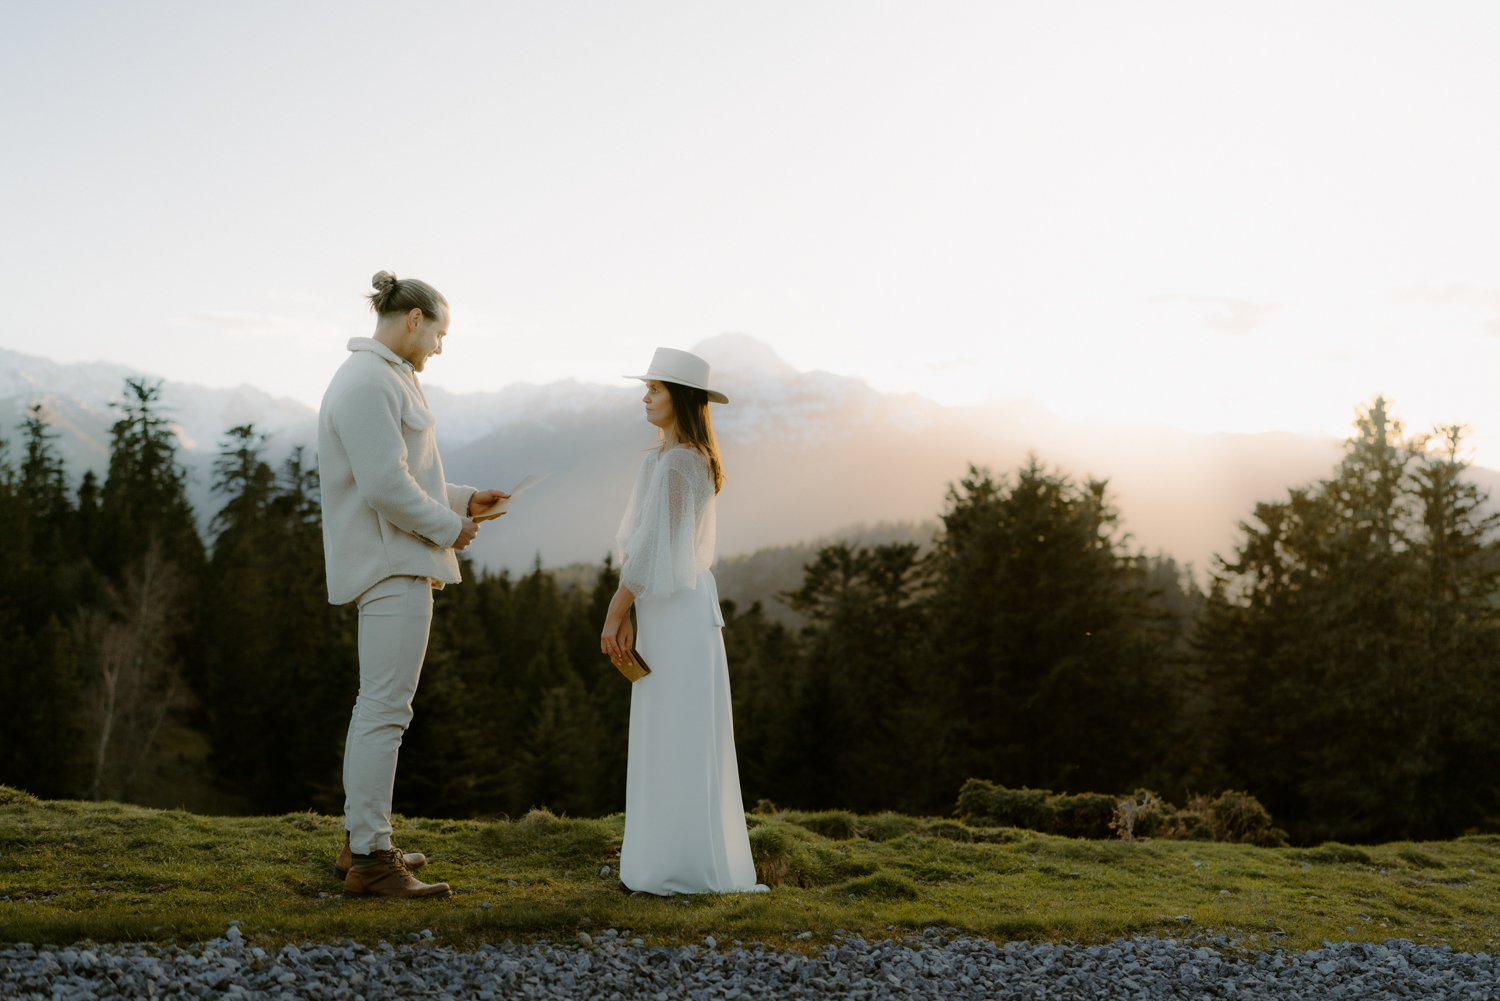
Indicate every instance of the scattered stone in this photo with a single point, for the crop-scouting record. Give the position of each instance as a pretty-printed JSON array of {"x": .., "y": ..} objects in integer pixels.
[{"x": 941, "y": 963}]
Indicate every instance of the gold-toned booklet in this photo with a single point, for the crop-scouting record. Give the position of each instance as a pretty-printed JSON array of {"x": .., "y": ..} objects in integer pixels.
[{"x": 633, "y": 667}]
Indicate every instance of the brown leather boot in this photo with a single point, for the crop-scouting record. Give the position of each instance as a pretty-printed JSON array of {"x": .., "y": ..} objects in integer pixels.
[
  {"x": 389, "y": 877},
  {"x": 345, "y": 862}
]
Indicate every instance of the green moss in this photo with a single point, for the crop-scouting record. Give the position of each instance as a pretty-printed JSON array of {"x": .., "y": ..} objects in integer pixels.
[
  {"x": 1412, "y": 855},
  {"x": 1333, "y": 853},
  {"x": 885, "y": 826},
  {"x": 881, "y": 886},
  {"x": 838, "y": 825},
  {"x": 17, "y": 797}
]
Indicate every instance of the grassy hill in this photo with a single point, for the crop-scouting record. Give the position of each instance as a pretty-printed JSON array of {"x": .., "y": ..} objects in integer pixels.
[{"x": 107, "y": 871}]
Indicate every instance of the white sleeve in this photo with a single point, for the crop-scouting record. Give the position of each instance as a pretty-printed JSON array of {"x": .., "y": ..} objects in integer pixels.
[
  {"x": 660, "y": 555},
  {"x": 459, "y": 497}
]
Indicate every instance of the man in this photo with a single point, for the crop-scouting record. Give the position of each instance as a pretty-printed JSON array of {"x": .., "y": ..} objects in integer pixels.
[{"x": 391, "y": 527}]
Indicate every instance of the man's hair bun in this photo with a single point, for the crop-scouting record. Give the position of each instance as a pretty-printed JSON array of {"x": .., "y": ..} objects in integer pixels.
[{"x": 392, "y": 295}]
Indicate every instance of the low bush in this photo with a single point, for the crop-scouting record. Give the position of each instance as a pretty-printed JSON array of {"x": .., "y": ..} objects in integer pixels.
[
  {"x": 1239, "y": 817},
  {"x": 1235, "y": 817},
  {"x": 1086, "y": 815},
  {"x": 985, "y": 804}
]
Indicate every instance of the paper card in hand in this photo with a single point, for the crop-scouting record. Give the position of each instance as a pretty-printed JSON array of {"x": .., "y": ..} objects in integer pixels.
[
  {"x": 633, "y": 667},
  {"x": 498, "y": 508}
]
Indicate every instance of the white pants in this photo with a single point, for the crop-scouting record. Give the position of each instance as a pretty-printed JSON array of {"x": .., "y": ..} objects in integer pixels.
[{"x": 394, "y": 618}]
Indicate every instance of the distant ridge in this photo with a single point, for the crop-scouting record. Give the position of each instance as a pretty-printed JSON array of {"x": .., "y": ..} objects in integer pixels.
[{"x": 808, "y": 454}]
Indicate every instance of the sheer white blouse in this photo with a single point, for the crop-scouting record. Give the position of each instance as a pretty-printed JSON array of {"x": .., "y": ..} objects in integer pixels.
[{"x": 666, "y": 539}]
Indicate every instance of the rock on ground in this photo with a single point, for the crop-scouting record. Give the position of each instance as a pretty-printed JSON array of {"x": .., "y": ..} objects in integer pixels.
[{"x": 607, "y": 966}]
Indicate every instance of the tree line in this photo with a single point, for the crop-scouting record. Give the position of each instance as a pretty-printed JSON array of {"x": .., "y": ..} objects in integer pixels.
[{"x": 1341, "y": 664}]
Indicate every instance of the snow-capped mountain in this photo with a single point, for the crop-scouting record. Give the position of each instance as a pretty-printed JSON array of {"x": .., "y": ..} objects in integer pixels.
[
  {"x": 77, "y": 402},
  {"x": 808, "y": 454}
]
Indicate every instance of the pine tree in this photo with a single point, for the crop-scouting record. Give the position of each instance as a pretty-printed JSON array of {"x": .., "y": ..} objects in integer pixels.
[
  {"x": 1349, "y": 644},
  {"x": 45, "y": 489},
  {"x": 1055, "y": 667},
  {"x": 766, "y": 666},
  {"x": 86, "y": 528},
  {"x": 41, "y": 741},
  {"x": 144, "y": 498},
  {"x": 282, "y": 668},
  {"x": 609, "y": 691},
  {"x": 560, "y": 763},
  {"x": 855, "y": 726}
]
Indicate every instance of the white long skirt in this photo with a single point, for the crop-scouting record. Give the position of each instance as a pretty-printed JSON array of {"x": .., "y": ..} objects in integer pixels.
[{"x": 684, "y": 819}]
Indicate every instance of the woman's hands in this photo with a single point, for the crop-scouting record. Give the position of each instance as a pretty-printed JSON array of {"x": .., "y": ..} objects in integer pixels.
[{"x": 618, "y": 637}]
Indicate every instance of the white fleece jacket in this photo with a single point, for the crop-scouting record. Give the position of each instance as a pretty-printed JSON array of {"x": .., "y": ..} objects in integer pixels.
[{"x": 387, "y": 510}]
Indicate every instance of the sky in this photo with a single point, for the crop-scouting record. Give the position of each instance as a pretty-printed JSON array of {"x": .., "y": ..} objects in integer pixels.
[{"x": 1223, "y": 217}]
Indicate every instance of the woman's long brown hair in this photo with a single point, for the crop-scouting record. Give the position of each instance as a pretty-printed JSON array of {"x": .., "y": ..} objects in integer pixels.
[{"x": 695, "y": 427}]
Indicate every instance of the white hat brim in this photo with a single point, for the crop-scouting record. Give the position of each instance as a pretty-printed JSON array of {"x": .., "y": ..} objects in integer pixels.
[{"x": 714, "y": 396}]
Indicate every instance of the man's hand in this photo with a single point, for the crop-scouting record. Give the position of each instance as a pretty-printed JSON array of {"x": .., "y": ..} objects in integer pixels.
[
  {"x": 466, "y": 534},
  {"x": 483, "y": 499}
]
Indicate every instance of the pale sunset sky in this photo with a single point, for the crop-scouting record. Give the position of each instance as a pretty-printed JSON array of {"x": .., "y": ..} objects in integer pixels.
[{"x": 1222, "y": 217}]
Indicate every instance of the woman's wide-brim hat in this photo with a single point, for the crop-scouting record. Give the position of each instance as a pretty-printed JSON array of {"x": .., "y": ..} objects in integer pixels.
[{"x": 683, "y": 368}]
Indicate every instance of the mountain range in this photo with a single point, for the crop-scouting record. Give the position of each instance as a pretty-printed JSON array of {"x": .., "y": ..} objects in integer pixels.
[{"x": 808, "y": 454}]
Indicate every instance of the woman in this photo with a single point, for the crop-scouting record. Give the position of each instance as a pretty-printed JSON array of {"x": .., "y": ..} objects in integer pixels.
[{"x": 684, "y": 820}]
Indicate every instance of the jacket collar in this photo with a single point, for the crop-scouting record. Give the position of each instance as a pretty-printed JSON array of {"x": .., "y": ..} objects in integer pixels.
[{"x": 371, "y": 344}]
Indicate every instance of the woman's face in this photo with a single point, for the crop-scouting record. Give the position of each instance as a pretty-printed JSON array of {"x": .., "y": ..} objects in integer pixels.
[{"x": 659, "y": 405}]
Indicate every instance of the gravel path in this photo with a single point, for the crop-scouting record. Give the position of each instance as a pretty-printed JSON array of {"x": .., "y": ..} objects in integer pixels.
[{"x": 611, "y": 967}]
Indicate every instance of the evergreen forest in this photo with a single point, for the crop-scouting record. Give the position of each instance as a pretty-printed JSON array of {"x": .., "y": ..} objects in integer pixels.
[{"x": 1341, "y": 664}]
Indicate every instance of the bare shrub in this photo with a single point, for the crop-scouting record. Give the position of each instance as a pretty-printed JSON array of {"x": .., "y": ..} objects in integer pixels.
[
  {"x": 135, "y": 683},
  {"x": 1129, "y": 812}
]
